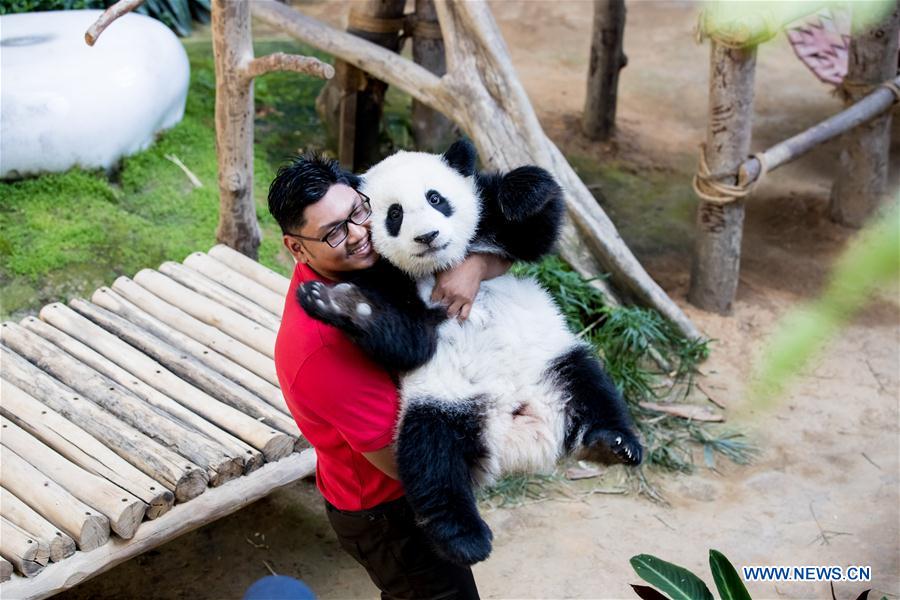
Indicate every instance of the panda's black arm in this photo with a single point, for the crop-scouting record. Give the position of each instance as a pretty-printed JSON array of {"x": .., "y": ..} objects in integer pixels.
[
  {"x": 522, "y": 212},
  {"x": 381, "y": 313}
]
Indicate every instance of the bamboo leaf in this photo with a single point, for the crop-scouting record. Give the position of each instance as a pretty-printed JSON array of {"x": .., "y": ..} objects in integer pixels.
[
  {"x": 677, "y": 582},
  {"x": 728, "y": 582}
]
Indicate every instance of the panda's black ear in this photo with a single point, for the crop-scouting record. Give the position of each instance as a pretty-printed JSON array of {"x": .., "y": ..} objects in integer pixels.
[{"x": 461, "y": 156}]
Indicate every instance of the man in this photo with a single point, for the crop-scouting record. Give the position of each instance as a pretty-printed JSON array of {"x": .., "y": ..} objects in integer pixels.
[{"x": 344, "y": 404}]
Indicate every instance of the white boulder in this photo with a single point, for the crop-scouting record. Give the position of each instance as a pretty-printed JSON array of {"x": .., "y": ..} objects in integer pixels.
[{"x": 64, "y": 103}]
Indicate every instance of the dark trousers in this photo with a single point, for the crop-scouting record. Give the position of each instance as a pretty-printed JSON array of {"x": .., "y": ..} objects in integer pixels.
[{"x": 397, "y": 555}]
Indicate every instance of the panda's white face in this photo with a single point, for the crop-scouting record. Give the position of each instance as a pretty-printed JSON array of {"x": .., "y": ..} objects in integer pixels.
[{"x": 424, "y": 212}]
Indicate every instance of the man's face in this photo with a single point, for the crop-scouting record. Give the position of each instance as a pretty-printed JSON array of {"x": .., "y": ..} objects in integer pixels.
[{"x": 352, "y": 254}]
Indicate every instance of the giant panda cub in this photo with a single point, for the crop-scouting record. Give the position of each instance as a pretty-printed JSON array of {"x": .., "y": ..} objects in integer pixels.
[{"x": 509, "y": 389}]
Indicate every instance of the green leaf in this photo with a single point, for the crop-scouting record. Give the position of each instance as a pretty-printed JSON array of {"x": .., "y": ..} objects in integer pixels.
[
  {"x": 677, "y": 582},
  {"x": 728, "y": 582}
]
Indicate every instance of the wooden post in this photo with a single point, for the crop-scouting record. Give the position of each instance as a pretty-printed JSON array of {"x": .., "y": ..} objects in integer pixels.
[
  {"x": 432, "y": 131},
  {"x": 861, "y": 180},
  {"x": 607, "y": 59},
  {"x": 717, "y": 251},
  {"x": 354, "y": 101},
  {"x": 233, "y": 50}
]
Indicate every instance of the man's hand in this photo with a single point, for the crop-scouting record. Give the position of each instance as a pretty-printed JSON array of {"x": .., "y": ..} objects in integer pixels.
[
  {"x": 384, "y": 460},
  {"x": 457, "y": 287}
]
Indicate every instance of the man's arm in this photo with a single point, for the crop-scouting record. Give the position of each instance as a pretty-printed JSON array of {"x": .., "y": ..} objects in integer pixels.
[
  {"x": 385, "y": 460},
  {"x": 457, "y": 287}
]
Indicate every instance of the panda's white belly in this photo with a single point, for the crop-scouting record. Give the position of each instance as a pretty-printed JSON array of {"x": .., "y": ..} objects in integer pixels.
[{"x": 500, "y": 355}]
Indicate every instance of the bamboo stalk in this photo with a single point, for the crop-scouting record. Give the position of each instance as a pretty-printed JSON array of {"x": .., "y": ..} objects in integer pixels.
[
  {"x": 203, "y": 284},
  {"x": 239, "y": 352},
  {"x": 86, "y": 526},
  {"x": 212, "y": 313},
  {"x": 123, "y": 510},
  {"x": 17, "y": 512},
  {"x": 240, "y": 284},
  {"x": 29, "y": 554},
  {"x": 252, "y": 269},
  {"x": 239, "y": 374},
  {"x": 273, "y": 444},
  {"x": 104, "y": 352},
  {"x": 81, "y": 448},
  {"x": 119, "y": 401},
  {"x": 185, "y": 479}
]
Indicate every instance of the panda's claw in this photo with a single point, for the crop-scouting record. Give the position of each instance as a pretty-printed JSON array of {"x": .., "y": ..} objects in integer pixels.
[
  {"x": 343, "y": 305},
  {"x": 623, "y": 445}
]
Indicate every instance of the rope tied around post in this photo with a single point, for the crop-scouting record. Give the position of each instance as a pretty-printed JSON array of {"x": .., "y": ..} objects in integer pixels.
[
  {"x": 709, "y": 189},
  {"x": 409, "y": 25}
]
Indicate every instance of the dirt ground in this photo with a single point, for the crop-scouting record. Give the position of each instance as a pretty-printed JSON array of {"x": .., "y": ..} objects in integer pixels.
[{"x": 830, "y": 445}]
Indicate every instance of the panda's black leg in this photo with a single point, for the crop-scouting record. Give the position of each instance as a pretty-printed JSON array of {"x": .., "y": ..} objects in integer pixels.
[
  {"x": 438, "y": 442},
  {"x": 598, "y": 417},
  {"x": 400, "y": 339}
]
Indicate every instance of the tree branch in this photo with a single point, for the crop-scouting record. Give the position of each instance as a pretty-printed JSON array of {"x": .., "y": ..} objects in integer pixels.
[
  {"x": 381, "y": 63},
  {"x": 279, "y": 61},
  {"x": 109, "y": 15}
]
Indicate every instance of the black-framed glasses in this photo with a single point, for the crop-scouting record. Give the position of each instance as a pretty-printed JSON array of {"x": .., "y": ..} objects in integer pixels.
[{"x": 337, "y": 234}]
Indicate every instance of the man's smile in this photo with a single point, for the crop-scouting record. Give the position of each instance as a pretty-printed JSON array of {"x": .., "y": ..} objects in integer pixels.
[{"x": 362, "y": 249}]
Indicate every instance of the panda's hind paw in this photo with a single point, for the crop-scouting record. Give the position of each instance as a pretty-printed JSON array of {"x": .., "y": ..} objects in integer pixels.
[
  {"x": 342, "y": 305},
  {"x": 462, "y": 542},
  {"x": 624, "y": 445}
]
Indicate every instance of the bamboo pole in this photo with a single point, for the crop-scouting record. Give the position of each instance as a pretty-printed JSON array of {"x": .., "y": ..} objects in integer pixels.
[
  {"x": 212, "y": 313},
  {"x": 205, "y": 286},
  {"x": 240, "y": 284},
  {"x": 237, "y": 373},
  {"x": 177, "y": 383},
  {"x": 86, "y": 526},
  {"x": 104, "y": 353},
  {"x": 860, "y": 184},
  {"x": 246, "y": 266},
  {"x": 215, "y": 504},
  {"x": 185, "y": 479},
  {"x": 124, "y": 511},
  {"x": 17, "y": 512},
  {"x": 598, "y": 119},
  {"x": 119, "y": 401},
  {"x": 29, "y": 554},
  {"x": 81, "y": 448},
  {"x": 717, "y": 251}
]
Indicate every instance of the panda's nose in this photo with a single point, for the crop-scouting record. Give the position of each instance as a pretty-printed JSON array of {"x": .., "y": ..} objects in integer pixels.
[{"x": 426, "y": 238}]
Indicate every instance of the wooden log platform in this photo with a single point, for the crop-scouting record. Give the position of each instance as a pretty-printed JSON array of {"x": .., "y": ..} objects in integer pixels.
[{"x": 139, "y": 415}]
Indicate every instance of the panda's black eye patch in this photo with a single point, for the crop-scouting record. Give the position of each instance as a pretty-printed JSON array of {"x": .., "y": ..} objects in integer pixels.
[
  {"x": 438, "y": 202},
  {"x": 394, "y": 219}
]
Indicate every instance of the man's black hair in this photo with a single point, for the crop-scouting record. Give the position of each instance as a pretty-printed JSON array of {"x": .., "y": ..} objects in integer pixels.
[{"x": 303, "y": 182}]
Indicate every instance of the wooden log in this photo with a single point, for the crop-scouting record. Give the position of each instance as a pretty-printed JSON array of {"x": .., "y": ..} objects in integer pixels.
[
  {"x": 717, "y": 251},
  {"x": 861, "y": 181},
  {"x": 240, "y": 284},
  {"x": 17, "y": 512},
  {"x": 212, "y": 313},
  {"x": 185, "y": 479},
  {"x": 109, "y": 15},
  {"x": 607, "y": 58},
  {"x": 233, "y": 51},
  {"x": 113, "y": 302},
  {"x": 242, "y": 424},
  {"x": 144, "y": 377},
  {"x": 124, "y": 511},
  {"x": 205, "y": 286},
  {"x": 432, "y": 131},
  {"x": 23, "y": 549},
  {"x": 477, "y": 54},
  {"x": 257, "y": 362},
  {"x": 280, "y": 61},
  {"x": 116, "y": 399},
  {"x": 6, "y": 570},
  {"x": 86, "y": 526},
  {"x": 876, "y": 103},
  {"x": 81, "y": 448},
  {"x": 252, "y": 269},
  {"x": 214, "y": 504}
]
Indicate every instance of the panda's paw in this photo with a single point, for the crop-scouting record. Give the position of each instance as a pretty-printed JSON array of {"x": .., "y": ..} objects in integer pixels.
[
  {"x": 343, "y": 305},
  {"x": 624, "y": 445},
  {"x": 462, "y": 542}
]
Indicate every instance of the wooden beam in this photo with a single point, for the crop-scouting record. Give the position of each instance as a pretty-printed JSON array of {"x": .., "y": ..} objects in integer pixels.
[
  {"x": 252, "y": 269},
  {"x": 607, "y": 58},
  {"x": 59, "y": 544}
]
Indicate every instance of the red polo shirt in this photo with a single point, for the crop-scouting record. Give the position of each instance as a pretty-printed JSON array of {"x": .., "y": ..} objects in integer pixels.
[{"x": 343, "y": 403}]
